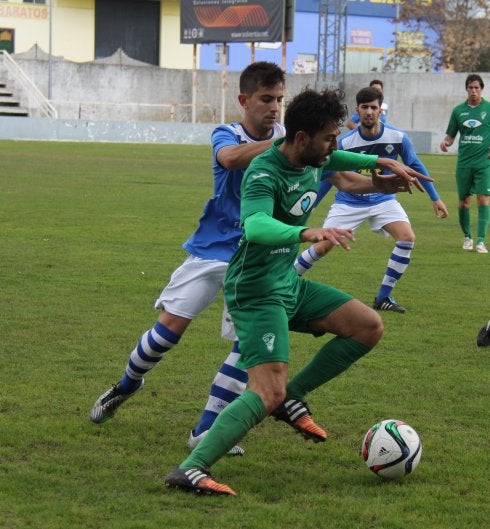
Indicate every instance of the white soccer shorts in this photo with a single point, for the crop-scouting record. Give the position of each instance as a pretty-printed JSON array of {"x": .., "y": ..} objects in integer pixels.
[
  {"x": 379, "y": 215},
  {"x": 193, "y": 286}
]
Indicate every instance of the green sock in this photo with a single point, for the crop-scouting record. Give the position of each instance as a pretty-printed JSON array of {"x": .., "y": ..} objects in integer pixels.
[
  {"x": 231, "y": 425},
  {"x": 332, "y": 359},
  {"x": 464, "y": 221},
  {"x": 483, "y": 216}
]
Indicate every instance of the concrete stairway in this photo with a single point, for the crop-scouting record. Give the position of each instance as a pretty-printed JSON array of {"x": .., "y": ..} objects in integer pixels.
[{"x": 9, "y": 104}]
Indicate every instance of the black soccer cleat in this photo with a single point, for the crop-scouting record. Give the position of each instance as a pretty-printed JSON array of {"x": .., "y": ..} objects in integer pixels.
[
  {"x": 483, "y": 338},
  {"x": 108, "y": 403},
  {"x": 389, "y": 304}
]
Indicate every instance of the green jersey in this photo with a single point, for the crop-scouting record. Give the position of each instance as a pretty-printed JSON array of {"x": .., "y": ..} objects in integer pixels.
[
  {"x": 272, "y": 186},
  {"x": 473, "y": 125}
]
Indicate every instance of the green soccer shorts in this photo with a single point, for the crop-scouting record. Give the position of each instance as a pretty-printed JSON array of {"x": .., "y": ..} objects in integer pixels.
[
  {"x": 263, "y": 326},
  {"x": 472, "y": 180}
]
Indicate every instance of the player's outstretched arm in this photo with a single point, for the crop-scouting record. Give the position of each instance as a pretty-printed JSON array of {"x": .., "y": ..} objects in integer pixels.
[{"x": 352, "y": 182}]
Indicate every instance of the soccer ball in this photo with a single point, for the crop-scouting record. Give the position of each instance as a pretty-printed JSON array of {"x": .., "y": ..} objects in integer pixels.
[{"x": 391, "y": 449}]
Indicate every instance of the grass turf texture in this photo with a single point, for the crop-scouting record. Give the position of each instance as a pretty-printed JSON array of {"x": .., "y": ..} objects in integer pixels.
[{"x": 89, "y": 234}]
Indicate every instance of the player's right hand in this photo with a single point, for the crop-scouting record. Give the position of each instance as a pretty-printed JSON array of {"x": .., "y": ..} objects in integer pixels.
[{"x": 337, "y": 236}]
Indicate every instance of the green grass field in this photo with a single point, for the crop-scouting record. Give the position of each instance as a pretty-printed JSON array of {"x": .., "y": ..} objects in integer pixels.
[{"x": 89, "y": 234}]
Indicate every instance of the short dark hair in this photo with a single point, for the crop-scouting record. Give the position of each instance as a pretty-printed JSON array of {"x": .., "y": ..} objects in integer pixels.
[
  {"x": 368, "y": 94},
  {"x": 474, "y": 77},
  {"x": 376, "y": 81},
  {"x": 259, "y": 74},
  {"x": 311, "y": 111}
]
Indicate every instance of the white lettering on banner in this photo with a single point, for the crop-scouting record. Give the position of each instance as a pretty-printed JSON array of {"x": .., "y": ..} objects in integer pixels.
[{"x": 361, "y": 36}]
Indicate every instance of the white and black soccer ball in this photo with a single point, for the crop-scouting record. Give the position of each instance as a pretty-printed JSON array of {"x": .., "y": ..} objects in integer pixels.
[{"x": 391, "y": 449}]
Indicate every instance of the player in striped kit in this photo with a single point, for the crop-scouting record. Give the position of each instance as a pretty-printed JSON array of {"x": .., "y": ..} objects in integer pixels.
[
  {"x": 197, "y": 282},
  {"x": 384, "y": 213}
]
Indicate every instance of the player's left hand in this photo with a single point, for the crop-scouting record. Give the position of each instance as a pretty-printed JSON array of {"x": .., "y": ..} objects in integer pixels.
[
  {"x": 389, "y": 183},
  {"x": 410, "y": 175},
  {"x": 440, "y": 209}
]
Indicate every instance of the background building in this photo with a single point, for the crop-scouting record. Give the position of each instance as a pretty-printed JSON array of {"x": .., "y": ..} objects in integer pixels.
[
  {"x": 84, "y": 30},
  {"x": 149, "y": 31}
]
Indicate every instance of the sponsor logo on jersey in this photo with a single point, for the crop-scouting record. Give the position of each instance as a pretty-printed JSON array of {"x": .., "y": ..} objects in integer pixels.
[
  {"x": 269, "y": 339},
  {"x": 303, "y": 204},
  {"x": 293, "y": 187},
  {"x": 469, "y": 138},
  {"x": 280, "y": 250},
  {"x": 260, "y": 175},
  {"x": 472, "y": 123}
]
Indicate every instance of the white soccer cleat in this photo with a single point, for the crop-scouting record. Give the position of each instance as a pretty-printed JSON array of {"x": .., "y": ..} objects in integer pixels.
[
  {"x": 467, "y": 244},
  {"x": 481, "y": 248},
  {"x": 192, "y": 442}
]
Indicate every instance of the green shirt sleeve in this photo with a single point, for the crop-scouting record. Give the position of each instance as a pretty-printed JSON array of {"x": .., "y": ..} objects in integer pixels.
[
  {"x": 350, "y": 161},
  {"x": 261, "y": 228},
  {"x": 453, "y": 125}
]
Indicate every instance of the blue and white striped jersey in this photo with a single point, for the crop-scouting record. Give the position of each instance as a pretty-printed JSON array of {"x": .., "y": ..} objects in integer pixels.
[
  {"x": 389, "y": 143},
  {"x": 219, "y": 231}
]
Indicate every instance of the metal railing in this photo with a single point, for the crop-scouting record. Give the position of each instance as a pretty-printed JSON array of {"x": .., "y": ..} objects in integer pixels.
[{"x": 33, "y": 92}]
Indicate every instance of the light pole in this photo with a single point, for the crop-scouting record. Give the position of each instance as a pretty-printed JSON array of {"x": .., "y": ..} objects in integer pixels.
[{"x": 50, "y": 49}]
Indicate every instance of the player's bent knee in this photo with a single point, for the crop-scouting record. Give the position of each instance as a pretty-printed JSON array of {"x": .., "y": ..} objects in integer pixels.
[
  {"x": 272, "y": 398},
  {"x": 370, "y": 330}
]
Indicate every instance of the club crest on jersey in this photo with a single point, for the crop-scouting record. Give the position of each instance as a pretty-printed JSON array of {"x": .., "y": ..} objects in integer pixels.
[
  {"x": 471, "y": 123},
  {"x": 389, "y": 148},
  {"x": 303, "y": 204},
  {"x": 269, "y": 340}
]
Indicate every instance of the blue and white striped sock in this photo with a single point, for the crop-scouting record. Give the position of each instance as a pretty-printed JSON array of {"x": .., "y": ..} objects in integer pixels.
[
  {"x": 228, "y": 384},
  {"x": 397, "y": 264},
  {"x": 146, "y": 355},
  {"x": 306, "y": 260}
]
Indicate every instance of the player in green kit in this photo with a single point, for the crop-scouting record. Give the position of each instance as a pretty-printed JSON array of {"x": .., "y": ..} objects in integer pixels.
[
  {"x": 265, "y": 296},
  {"x": 472, "y": 120}
]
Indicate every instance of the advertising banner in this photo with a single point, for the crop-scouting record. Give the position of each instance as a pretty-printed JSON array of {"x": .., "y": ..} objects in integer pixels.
[{"x": 204, "y": 21}]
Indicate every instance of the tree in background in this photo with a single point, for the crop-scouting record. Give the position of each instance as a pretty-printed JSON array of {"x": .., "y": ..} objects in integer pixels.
[{"x": 461, "y": 29}]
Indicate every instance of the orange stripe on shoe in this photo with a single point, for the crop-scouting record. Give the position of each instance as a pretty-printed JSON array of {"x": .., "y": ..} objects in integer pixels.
[
  {"x": 307, "y": 427},
  {"x": 209, "y": 486}
]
